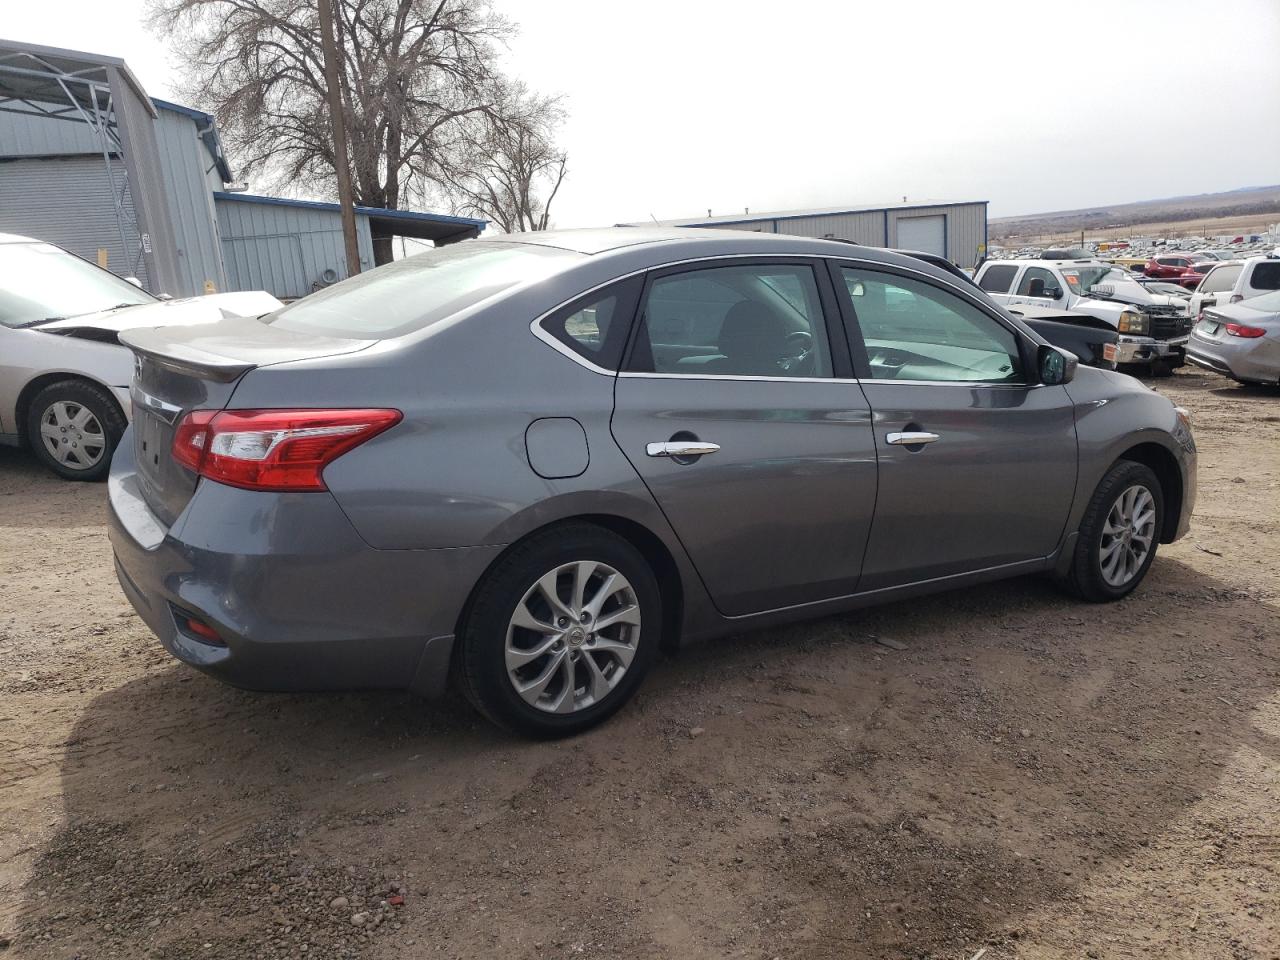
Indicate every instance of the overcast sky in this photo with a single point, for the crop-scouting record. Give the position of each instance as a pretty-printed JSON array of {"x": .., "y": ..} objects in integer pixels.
[{"x": 677, "y": 106}]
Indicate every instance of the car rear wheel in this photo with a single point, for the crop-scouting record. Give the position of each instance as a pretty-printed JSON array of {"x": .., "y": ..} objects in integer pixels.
[
  {"x": 73, "y": 427},
  {"x": 560, "y": 632},
  {"x": 1119, "y": 534}
]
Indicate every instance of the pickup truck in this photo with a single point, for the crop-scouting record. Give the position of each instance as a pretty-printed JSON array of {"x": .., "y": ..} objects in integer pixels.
[{"x": 1153, "y": 328}]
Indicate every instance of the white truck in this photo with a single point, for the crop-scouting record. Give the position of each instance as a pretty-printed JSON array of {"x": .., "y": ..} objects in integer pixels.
[{"x": 1153, "y": 328}]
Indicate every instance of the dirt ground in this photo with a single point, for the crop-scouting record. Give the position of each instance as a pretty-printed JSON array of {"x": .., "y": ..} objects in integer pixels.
[{"x": 1030, "y": 776}]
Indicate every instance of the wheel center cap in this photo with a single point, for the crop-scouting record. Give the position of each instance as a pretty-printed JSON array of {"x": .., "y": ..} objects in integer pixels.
[{"x": 576, "y": 636}]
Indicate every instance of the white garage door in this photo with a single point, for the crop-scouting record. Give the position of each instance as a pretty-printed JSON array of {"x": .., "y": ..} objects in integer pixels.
[{"x": 926, "y": 234}]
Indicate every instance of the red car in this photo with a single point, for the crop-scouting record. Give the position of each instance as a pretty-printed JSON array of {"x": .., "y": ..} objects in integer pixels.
[
  {"x": 1195, "y": 273},
  {"x": 1168, "y": 266}
]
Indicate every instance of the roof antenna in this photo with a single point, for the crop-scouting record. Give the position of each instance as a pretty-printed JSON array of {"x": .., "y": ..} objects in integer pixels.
[
  {"x": 708, "y": 213},
  {"x": 652, "y": 217},
  {"x": 746, "y": 211}
]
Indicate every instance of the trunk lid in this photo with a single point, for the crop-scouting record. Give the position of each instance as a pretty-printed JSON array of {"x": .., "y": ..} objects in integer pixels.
[{"x": 178, "y": 369}]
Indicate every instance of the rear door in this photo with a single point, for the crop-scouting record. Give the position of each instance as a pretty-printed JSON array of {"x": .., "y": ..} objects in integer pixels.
[
  {"x": 977, "y": 463},
  {"x": 745, "y": 360},
  {"x": 998, "y": 280}
]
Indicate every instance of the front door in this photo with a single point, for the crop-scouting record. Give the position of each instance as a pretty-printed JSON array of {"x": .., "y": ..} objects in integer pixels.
[
  {"x": 977, "y": 464},
  {"x": 737, "y": 409}
]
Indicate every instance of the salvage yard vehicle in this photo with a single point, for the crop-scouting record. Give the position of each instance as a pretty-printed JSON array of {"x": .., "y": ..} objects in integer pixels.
[
  {"x": 1093, "y": 341},
  {"x": 64, "y": 377},
  {"x": 1236, "y": 281},
  {"x": 535, "y": 460},
  {"x": 1153, "y": 327},
  {"x": 1240, "y": 340}
]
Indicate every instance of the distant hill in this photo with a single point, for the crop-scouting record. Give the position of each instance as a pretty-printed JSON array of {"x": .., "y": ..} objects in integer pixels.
[{"x": 1246, "y": 202}]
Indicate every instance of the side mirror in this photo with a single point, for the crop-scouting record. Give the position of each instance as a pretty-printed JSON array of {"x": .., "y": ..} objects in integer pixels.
[
  {"x": 1056, "y": 366},
  {"x": 1053, "y": 293},
  {"x": 135, "y": 281}
]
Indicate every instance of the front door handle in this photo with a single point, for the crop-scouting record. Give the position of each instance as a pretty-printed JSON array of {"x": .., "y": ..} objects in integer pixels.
[
  {"x": 911, "y": 438},
  {"x": 681, "y": 448}
]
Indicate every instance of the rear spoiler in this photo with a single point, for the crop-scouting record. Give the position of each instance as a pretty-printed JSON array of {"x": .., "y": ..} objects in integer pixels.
[{"x": 183, "y": 358}]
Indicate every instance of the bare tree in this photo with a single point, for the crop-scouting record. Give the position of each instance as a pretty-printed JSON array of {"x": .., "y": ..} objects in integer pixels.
[
  {"x": 418, "y": 77},
  {"x": 511, "y": 168}
]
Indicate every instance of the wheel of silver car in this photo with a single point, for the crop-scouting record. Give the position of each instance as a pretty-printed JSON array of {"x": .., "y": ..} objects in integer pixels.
[
  {"x": 1127, "y": 535},
  {"x": 72, "y": 435},
  {"x": 73, "y": 427},
  {"x": 1119, "y": 533},
  {"x": 560, "y": 632},
  {"x": 572, "y": 636}
]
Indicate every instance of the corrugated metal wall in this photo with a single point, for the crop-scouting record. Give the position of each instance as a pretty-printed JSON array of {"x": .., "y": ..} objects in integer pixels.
[
  {"x": 866, "y": 227},
  {"x": 183, "y": 159},
  {"x": 67, "y": 201},
  {"x": 28, "y": 136},
  {"x": 284, "y": 249},
  {"x": 966, "y": 227},
  {"x": 135, "y": 121}
]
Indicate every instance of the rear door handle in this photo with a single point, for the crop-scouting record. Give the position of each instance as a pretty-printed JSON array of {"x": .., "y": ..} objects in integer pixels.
[
  {"x": 911, "y": 438},
  {"x": 681, "y": 448}
]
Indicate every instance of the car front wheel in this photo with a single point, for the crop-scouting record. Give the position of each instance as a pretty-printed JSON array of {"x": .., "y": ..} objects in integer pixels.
[
  {"x": 73, "y": 427},
  {"x": 1119, "y": 534},
  {"x": 560, "y": 632}
]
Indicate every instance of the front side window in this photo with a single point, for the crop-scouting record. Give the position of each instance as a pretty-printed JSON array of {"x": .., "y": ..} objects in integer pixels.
[
  {"x": 998, "y": 278},
  {"x": 758, "y": 320},
  {"x": 915, "y": 331},
  {"x": 1036, "y": 282},
  {"x": 43, "y": 283}
]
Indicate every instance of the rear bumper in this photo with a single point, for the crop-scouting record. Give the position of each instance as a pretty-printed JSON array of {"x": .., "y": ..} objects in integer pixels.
[
  {"x": 1132, "y": 349},
  {"x": 1251, "y": 360},
  {"x": 300, "y": 601}
]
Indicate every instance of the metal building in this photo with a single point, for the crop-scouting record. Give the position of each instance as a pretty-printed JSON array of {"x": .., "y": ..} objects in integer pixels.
[
  {"x": 88, "y": 161},
  {"x": 292, "y": 247},
  {"x": 957, "y": 231}
]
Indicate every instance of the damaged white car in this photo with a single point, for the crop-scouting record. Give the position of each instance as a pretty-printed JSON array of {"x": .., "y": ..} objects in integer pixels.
[{"x": 64, "y": 377}]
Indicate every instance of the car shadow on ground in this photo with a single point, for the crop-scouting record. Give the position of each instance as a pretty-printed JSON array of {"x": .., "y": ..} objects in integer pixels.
[{"x": 806, "y": 791}]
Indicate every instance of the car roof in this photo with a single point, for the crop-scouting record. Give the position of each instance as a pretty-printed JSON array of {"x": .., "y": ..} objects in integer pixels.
[
  {"x": 670, "y": 244},
  {"x": 17, "y": 238}
]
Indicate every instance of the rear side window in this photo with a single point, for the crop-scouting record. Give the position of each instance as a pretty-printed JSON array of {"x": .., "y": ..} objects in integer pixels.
[
  {"x": 757, "y": 320},
  {"x": 415, "y": 292},
  {"x": 595, "y": 327},
  {"x": 1266, "y": 276},
  {"x": 1220, "y": 279},
  {"x": 998, "y": 278}
]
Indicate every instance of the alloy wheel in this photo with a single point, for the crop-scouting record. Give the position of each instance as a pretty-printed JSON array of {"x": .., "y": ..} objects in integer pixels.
[
  {"x": 1127, "y": 535},
  {"x": 73, "y": 435},
  {"x": 572, "y": 637}
]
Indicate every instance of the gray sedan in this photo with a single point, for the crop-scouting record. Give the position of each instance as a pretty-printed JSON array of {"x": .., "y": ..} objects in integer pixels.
[
  {"x": 533, "y": 462},
  {"x": 1241, "y": 340}
]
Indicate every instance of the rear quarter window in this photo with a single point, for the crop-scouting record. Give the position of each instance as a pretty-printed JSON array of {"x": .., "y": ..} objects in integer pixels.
[{"x": 1266, "y": 276}]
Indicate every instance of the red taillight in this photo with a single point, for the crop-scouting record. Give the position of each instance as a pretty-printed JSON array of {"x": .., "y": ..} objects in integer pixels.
[
  {"x": 1240, "y": 330},
  {"x": 273, "y": 449}
]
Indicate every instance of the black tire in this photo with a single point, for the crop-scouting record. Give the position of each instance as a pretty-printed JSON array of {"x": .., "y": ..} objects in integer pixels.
[
  {"x": 1162, "y": 368},
  {"x": 480, "y": 659},
  {"x": 78, "y": 394},
  {"x": 1085, "y": 578}
]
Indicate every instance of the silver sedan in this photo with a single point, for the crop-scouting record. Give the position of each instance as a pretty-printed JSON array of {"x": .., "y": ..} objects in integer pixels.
[{"x": 1240, "y": 340}]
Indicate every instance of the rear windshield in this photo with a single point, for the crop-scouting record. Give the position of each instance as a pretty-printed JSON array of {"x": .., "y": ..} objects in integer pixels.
[
  {"x": 415, "y": 292},
  {"x": 1221, "y": 279}
]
